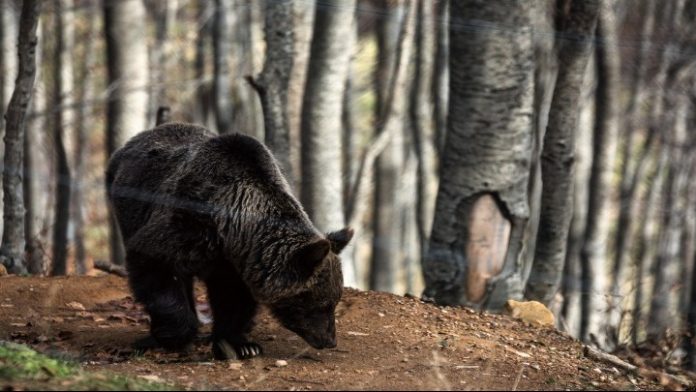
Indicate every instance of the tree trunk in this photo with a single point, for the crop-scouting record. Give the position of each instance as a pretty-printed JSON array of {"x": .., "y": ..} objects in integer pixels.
[
  {"x": 475, "y": 253},
  {"x": 205, "y": 16},
  {"x": 33, "y": 169},
  {"x": 423, "y": 122},
  {"x": 321, "y": 191},
  {"x": 571, "y": 310},
  {"x": 222, "y": 49},
  {"x": 633, "y": 168},
  {"x": 62, "y": 119},
  {"x": 386, "y": 243},
  {"x": 441, "y": 82},
  {"x": 594, "y": 255},
  {"x": 645, "y": 250},
  {"x": 664, "y": 306},
  {"x": 558, "y": 156},
  {"x": 83, "y": 124},
  {"x": 9, "y": 29},
  {"x": 304, "y": 18},
  {"x": 247, "y": 114},
  {"x": 164, "y": 15},
  {"x": 8, "y": 60},
  {"x": 321, "y": 113},
  {"x": 12, "y": 249},
  {"x": 545, "y": 74},
  {"x": 349, "y": 153},
  {"x": 124, "y": 24},
  {"x": 272, "y": 83}
]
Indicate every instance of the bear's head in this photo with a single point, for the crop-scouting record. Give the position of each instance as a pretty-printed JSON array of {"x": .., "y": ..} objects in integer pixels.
[{"x": 309, "y": 311}]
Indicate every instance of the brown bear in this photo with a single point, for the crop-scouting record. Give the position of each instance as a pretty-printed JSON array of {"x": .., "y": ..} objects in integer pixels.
[{"x": 191, "y": 204}]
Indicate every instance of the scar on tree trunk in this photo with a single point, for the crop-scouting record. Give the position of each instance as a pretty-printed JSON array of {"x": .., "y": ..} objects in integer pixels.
[{"x": 489, "y": 236}]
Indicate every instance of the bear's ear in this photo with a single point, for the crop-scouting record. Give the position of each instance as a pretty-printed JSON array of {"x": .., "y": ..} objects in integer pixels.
[
  {"x": 339, "y": 239},
  {"x": 306, "y": 259}
]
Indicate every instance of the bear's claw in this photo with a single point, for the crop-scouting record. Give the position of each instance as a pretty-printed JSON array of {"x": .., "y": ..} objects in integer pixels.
[{"x": 224, "y": 350}]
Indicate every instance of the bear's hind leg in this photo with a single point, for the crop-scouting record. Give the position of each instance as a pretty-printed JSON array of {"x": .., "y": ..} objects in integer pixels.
[
  {"x": 233, "y": 310},
  {"x": 167, "y": 299}
]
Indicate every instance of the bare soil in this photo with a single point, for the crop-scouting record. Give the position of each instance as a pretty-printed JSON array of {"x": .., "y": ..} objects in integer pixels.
[{"x": 385, "y": 342}]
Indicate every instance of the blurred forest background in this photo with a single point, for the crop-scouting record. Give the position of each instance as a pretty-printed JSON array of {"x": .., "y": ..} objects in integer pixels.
[{"x": 482, "y": 150}]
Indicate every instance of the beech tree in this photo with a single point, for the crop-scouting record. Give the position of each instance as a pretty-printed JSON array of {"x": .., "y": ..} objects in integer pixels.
[
  {"x": 12, "y": 248},
  {"x": 474, "y": 256}
]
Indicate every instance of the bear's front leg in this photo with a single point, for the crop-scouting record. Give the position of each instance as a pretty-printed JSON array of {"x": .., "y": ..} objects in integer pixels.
[{"x": 233, "y": 310}]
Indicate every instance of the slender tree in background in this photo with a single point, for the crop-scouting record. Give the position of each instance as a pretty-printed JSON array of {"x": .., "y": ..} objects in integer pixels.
[
  {"x": 594, "y": 254},
  {"x": 633, "y": 168},
  {"x": 205, "y": 11},
  {"x": 222, "y": 47},
  {"x": 303, "y": 14},
  {"x": 557, "y": 160},
  {"x": 124, "y": 25},
  {"x": 646, "y": 240},
  {"x": 272, "y": 83},
  {"x": 386, "y": 246},
  {"x": 441, "y": 73},
  {"x": 247, "y": 30},
  {"x": 62, "y": 119},
  {"x": 545, "y": 73},
  {"x": 572, "y": 273},
  {"x": 164, "y": 14},
  {"x": 83, "y": 125},
  {"x": 9, "y": 17},
  {"x": 322, "y": 177},
  {"x": 664, "y": 310},
  {"x": 475, "y": 248},
  {"x": 8, "y": 42},
  {"x": 33, "y": 160},
  {"x": 423, "y": 122},
  {"x": 12, "y": 248}
]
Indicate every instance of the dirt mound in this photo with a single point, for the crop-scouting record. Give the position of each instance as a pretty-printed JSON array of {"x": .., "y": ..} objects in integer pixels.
[{"x": 384, "y": 342}]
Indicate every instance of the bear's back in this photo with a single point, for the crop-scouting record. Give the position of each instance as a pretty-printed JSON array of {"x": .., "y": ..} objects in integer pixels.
[{"x": 136, "y": 171}]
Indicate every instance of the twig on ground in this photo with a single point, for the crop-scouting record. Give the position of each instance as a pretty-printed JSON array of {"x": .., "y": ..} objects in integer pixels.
[{"x": 118, "y": 270}]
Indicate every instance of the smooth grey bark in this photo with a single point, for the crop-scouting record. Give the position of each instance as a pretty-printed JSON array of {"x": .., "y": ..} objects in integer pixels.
[
  {"x": 350, "y": 151},
  {"x": 272, "y": 83},
  {"x": 633, "y": 166},
  {"x": 33, "y": 164},
  {"x": 649, "y": 229},
  {"x": 441, "y": 82},
  {"x": 9, "y": 29},
  {"x": 386, "y": 245},
  {"x": 664, "y": 310},
  {"x": 247, "y": 30},
  {"x": 688, "y": 344},
  {"x": 545, "y": 72},
  {"x": 204, "y": 17},
  {"x": 594, "y": 252},
  {"x": 164, "y": 15},
  {"x": 62, "y": 120},
  {"x": 571, "y": 310},
  {"x": 84, "y": 123},
  {"x": 303, "y": 12},
  {"x": 127, "y": 63},
  {"x": 423, "y": 123},
  {"x": 222, "y": 48},
  {"x": 558, "y": 155},
  {"x": 9, "y": 14},
  {"x": 322, "y": 108},
  {"x": 485, "y": 164},
  {"x": 12, "y": 248}
]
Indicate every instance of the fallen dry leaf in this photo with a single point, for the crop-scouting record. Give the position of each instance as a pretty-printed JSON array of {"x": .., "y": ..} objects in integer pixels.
[{"x": 75, "y": 306}]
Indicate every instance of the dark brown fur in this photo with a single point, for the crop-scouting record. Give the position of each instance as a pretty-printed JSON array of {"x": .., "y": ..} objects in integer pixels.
[{"x": 192, "y": 204}]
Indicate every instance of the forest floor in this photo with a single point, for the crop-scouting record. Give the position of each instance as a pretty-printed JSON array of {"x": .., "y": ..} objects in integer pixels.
[{"x": 384, "y": 342}]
